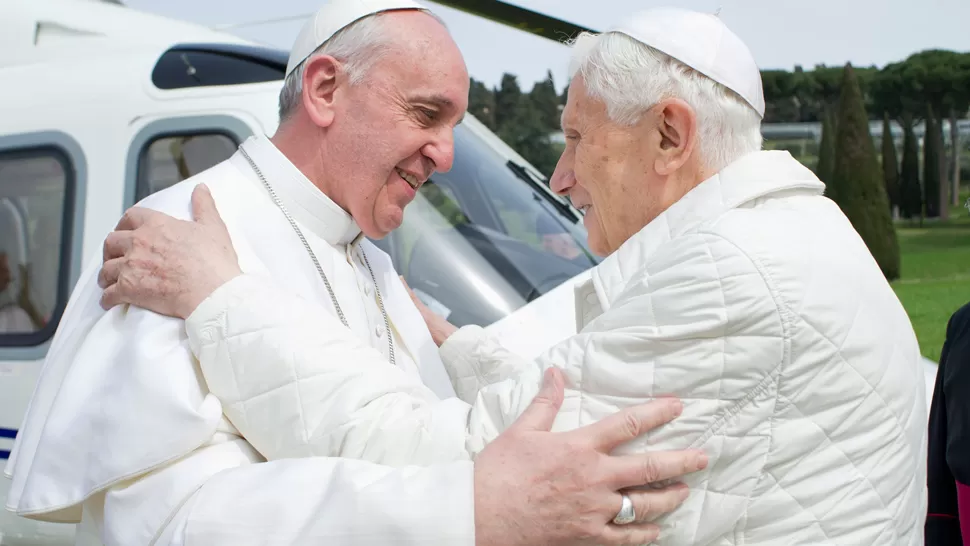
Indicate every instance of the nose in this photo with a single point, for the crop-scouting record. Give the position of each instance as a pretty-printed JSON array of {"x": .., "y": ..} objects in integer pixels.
[
  {"x": 563, "y": 178},
  {"x": 441, "y": 150}
]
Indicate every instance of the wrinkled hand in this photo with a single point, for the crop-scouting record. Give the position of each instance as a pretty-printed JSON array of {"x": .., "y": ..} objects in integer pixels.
[
  {"x": 166, "y": 265},
  {"x": 440, "y": 328},
  {"x": 533, "y": 486}
]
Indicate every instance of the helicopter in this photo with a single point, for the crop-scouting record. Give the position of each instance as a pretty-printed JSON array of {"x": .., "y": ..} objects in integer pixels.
[{"x": 145, "y": 102}]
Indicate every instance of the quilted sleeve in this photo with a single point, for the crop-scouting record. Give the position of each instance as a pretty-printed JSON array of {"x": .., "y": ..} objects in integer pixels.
[
  {"x": 474, "y": 359},
  {"x": 297, "y": 383},
  {"x": 699, "y": 321}
]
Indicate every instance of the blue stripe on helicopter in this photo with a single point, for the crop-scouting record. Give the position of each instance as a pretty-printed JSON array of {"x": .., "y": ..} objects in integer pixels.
[{"x": 6, "y": 433}]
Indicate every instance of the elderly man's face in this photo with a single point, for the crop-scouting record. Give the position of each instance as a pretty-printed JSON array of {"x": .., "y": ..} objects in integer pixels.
[
  {"x": 390, "y": 132},
  {"x": 623, "y": 176}
]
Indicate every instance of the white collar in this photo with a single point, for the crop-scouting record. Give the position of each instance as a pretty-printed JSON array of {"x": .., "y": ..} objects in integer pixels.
[
  {"x": 756, "y": 175},
  {"x": 309, "y": 206}
]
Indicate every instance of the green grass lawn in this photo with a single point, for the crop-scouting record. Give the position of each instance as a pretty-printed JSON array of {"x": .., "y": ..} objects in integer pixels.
[{"x": 935, "y": 278}]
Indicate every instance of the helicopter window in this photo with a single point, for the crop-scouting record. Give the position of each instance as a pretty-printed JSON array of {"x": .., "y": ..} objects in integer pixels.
[
  {"x": 479, "y": 241},
  {"x": 180, "y": 68},
  {"x": 171, "y": 159},
  {"x": 35, "y": 186},
  {"x": 498, "y": 198}
]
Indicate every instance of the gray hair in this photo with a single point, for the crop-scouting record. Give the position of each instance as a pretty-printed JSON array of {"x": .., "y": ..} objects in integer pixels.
[
  {"x": 358, "y": 46},
  {"x": 630, "y": 78}
]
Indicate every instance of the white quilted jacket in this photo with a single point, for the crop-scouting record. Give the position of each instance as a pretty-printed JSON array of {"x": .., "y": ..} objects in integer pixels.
[{"x": 752, "y": 299}]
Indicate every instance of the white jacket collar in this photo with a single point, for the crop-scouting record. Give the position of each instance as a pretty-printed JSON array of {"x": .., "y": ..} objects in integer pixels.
[
  {"x": 309, "y": 206},
  {"x": 754, "y": 176}
]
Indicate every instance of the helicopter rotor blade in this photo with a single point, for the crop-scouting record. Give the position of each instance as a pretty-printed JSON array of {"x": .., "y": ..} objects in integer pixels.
[{"x": 518, "y": 17}]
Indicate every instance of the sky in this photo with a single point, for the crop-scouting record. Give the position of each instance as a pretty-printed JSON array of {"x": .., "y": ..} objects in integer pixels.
[{"x": 780, "y": 33}]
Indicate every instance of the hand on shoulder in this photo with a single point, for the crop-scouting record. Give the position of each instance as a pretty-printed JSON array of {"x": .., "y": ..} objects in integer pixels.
[
  {"x": 166, "y": 265},
  {"x": 533, "y": 486}
]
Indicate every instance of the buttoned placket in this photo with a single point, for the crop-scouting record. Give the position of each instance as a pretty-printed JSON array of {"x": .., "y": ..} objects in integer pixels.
[
  {"x": 587, "y": 304},
  {"x": 322, "y": 217},
  {"x": 375, "y": 320}
]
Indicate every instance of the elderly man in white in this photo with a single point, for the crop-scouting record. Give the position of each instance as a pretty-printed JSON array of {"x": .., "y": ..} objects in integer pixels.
[
  {"x": 123, "y": 435},
  {"x": 730, "y": 281}
]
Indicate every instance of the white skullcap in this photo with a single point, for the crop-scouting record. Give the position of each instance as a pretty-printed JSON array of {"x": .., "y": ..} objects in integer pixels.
[
  {"x": 334, "y": 16},
  {"x": 703, "y": 42}
]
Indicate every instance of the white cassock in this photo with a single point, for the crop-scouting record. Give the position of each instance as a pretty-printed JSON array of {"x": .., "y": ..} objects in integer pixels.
[{"x": 122, "y": 434}]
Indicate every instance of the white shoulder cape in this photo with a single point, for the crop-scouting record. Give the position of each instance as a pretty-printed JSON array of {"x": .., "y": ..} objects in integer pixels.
[{"x": 120, "y": 392}]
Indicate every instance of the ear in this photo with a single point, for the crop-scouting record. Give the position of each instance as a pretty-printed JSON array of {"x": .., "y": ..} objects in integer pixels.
[
  {"x": 323, "y": 80},
  {"x": 678, "y": 135}
]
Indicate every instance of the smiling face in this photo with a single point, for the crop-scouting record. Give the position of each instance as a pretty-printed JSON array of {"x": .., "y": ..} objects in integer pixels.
[
  {"x": 387, "y": 134},
  {"x": 623, "y": 176}
]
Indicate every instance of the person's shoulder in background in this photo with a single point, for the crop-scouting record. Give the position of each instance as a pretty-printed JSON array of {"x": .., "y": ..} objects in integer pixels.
[{"x": 959, "y": 324}]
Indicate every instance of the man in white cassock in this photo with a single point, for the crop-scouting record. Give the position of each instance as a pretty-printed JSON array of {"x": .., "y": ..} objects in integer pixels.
[
  {"x": 123, "y": 436},
  {"x": 730, "y": 282}
]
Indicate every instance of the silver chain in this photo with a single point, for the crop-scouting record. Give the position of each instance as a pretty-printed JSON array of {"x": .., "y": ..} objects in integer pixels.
[{"x": 326, "y": 282}]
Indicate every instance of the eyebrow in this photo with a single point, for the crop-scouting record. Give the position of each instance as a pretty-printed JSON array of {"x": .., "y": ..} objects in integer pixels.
[{"x": 440, "y": 101}]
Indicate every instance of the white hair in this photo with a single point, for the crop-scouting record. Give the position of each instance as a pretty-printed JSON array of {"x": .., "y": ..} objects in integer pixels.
[
  {"x": 630, "y": 78},
  {"x": 358, "y": 46}
]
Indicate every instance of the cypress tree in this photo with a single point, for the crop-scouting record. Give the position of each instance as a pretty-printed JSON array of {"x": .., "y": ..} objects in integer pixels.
[
  {"x": 860, "y": 190},
  {"x": 931, "y": 165},
  {"x": 890, "y": 165},
  {"x": 545, "y": 101},
  {"x": 481, "y": 103},
  {"x": 911, "y": 196},
  {"x": 508, "y": 105},
  {"x": 826, "y": 154}
]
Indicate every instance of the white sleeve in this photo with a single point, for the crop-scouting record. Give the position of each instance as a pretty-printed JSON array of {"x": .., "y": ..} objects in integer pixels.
[
  {"x": 474, "y": 360},
  {"x": 296, "y": 382},
  {"x": 700, "y": 322},
  {"x": 328, "y": 501}
]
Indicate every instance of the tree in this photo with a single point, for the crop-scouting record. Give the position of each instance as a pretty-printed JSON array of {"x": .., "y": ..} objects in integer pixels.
[
  {"x": 805, "y": 93},
  {"x": 545, "y": 101},
  {"x": 828, "y": 85},
  {"x": 805, "y": 96},
  {"x": 826, "y": 154},
  {"x": 521, "y": 124},
  {"x": 911, "y": 196},
  {"x": 931, "y": 165},
  {"x": 508, "y": 102},
  {"x": 945, "y": 83},
  {"x": 780, "y": 103},
  {"x": 890, "y": 166},
  {"x": 481, "y": 103},
  {"x": 858, "y": 178},
  {"x": 938, "y": 77}
]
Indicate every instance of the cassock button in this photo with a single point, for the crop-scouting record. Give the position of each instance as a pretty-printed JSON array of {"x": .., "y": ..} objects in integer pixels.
[
  {"x": 379, "y": 331},
  {"x": 367, "y": 289}
]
